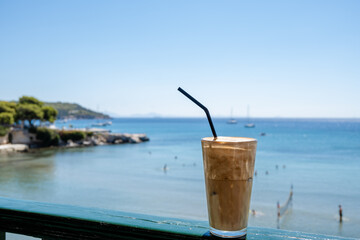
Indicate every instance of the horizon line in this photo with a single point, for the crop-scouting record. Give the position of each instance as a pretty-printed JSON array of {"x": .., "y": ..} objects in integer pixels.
[{"x": 223, "y": 117}]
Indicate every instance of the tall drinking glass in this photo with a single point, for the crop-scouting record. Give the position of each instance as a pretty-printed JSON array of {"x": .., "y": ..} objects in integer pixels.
[{"x": 229, "y": 168}]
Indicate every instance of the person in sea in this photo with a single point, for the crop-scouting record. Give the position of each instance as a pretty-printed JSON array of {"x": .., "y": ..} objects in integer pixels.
[
  {"x": 253, "y": 212},
  {"x": 340, "y": 213}
]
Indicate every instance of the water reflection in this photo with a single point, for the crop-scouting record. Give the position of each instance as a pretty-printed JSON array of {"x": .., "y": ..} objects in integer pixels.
[
  {"x": 26, "y": 173},
  {"x": 340, "y": 228}
]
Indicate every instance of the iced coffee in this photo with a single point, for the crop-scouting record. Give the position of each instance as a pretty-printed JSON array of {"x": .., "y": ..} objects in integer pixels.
[{"x": 229, "y": 168}]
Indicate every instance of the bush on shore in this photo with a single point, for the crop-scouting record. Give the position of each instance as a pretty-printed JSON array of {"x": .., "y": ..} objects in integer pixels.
[
  {"x": 89, "y": 134},
  {"x": 48, "y": 136},
  {"x": 32, "y": 129},
  {"x": 72, "y": 135},
  {"x": 3, "y": 131}
]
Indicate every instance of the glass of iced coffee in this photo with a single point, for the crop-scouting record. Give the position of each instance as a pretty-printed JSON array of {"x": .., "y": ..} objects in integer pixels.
[{"x": 229, "y": 168}]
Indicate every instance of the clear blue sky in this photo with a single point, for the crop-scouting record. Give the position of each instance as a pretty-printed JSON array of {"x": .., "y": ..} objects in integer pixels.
[{"x": 283, "y": 58}]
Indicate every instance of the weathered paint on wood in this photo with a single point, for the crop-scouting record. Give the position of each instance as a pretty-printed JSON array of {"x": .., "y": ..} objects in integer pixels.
[{"x": 54, "y": 221}]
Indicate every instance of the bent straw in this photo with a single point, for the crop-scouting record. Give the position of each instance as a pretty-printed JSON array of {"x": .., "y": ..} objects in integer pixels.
[{"x": 203, "y": 108}]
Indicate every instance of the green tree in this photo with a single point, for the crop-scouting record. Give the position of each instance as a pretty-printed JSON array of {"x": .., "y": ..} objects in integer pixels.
[
  {"x": 6, "y": 107},
  {"x": 9, "y": 104},
  {"x": 29, "y": 112},
  {"x": 7, "y": 113},
  {"x": 30, "y": 100},
  {"x": 6, "y": 118},
  {"x": 50, "y": 113}
]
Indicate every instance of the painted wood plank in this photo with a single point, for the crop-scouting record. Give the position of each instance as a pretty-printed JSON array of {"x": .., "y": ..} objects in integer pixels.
[
  {"x": 56, "y": 221},
  {"x": 44, "y": 211}
]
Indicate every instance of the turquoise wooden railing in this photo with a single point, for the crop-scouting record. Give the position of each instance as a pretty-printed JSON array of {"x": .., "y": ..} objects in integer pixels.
[{"x": 53, "y": 222}]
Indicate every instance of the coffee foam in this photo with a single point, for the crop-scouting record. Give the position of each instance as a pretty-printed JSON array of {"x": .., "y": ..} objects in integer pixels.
[
  {"x": 234, "y": 161},
  {"x": 228, "y": 140}
]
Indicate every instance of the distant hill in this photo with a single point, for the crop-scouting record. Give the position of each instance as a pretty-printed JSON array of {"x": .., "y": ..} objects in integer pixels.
[{"x": 74, "y": 111}]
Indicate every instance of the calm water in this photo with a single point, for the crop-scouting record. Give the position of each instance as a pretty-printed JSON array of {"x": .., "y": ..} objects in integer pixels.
[{"x": 321, "y": 158}]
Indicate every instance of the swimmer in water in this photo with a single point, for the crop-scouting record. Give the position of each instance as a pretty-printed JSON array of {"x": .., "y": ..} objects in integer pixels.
[{"x": 340, "y": 214}]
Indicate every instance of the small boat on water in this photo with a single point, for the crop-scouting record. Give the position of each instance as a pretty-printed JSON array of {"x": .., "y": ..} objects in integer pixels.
[
  {"x": 104, "y": 124},
  {"x": 249, "y": 124},
  {"x": 63, "y": 120},
  {"x": 232, "y": 120}
]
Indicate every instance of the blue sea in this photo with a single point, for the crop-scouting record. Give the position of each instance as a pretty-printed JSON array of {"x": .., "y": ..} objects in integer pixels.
[{"x": 319, "y": 157}]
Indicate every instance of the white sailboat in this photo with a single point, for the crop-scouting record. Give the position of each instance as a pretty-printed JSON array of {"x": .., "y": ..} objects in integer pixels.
[
  {"x": 249, "y": 124},
  {"x": 232, "y": 120}
]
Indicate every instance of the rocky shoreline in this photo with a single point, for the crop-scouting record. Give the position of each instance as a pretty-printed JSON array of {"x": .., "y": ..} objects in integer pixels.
[
  {"x": 108, "y": 138},
  {"x": 96, "y": 139},
  {"x": 10, "y": 148}
]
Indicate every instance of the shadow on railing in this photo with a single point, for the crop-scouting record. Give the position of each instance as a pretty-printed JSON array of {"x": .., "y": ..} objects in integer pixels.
[{"x": 54, "y": 222}]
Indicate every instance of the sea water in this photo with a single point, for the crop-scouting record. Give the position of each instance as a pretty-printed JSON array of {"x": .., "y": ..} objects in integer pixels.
[{"x": 164, "y": 177}]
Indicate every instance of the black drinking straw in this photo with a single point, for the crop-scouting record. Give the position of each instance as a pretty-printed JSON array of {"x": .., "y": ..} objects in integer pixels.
[{"x": 203, "y": 108}]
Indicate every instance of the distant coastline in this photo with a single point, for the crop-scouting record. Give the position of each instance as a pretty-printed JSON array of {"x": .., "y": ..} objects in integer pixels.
[
  {"x": 69, "y": 111},
  {"x": 30, "y": 123}
]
